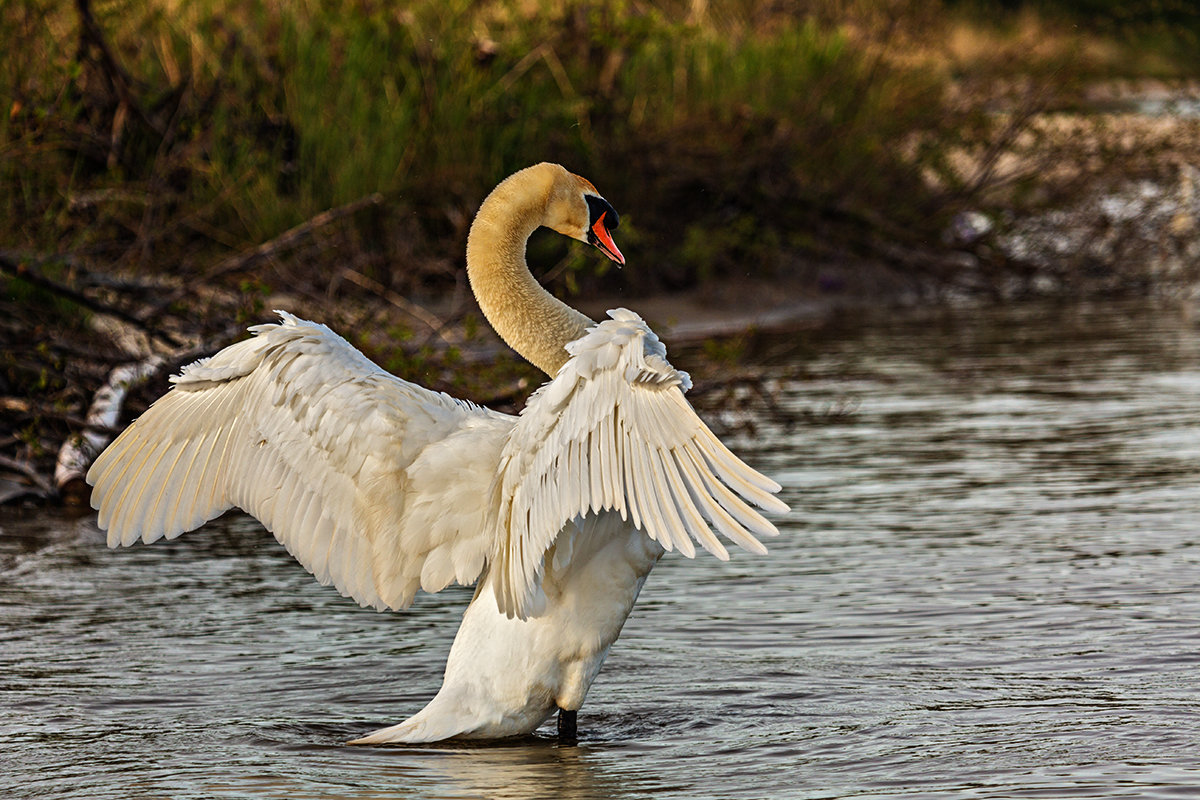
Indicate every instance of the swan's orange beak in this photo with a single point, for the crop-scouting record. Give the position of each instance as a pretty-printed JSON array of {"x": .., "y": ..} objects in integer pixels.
[{"x": 600, "y": 237}]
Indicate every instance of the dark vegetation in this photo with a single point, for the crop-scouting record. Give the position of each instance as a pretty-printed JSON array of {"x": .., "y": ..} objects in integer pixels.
[{"x": 166, "y": 172}]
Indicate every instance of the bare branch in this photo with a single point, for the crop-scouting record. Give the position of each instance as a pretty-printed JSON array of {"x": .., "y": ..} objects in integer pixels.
[
  {"x": 21, "y": 268},
  {"x": 431, "y": 321},
  {"x": 90, "y": 34},
  {"x": 289, "y": 238},
  {"x": 251, "y": 257},
  {"x": 22, "y": 468}
]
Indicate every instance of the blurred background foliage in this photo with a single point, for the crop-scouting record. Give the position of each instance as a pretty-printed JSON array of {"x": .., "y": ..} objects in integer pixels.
[{"x": 735, "y": 137}]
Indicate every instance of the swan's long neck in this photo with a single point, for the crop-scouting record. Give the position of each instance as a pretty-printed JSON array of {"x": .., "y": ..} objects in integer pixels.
[{"x": 531, "y": 320}]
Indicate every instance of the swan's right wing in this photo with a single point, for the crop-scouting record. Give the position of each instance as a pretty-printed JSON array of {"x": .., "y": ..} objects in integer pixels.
[
  {"x": 374, "y": 484},
  {"x": 613, "y": 433}
]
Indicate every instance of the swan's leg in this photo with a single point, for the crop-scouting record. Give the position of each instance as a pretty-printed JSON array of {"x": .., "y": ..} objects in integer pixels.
[{"x": 566, "y": 725}]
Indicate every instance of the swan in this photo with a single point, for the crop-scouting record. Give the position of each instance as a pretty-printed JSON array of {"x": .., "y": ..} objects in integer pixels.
[{"x": 382, "y": 487}]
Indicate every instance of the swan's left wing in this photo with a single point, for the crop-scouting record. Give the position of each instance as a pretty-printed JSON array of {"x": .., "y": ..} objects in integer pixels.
[
  {"x": 374, "y": 484},
  {"x": 613, "y": 431}
]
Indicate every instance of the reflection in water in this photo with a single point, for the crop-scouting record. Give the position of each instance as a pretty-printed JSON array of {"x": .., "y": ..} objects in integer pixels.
[
  {"x": 987, "y": 589},
  {"x": 528, "y": 770},
  {"x": 511, "y": 772}
]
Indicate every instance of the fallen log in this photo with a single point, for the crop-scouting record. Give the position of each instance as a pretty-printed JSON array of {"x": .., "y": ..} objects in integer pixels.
[
  {"x": 103, "y": 417},
  {"x": 80, "y": 450}
]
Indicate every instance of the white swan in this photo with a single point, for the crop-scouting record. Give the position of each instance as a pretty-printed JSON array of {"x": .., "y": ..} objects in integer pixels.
[{"x": 381, "y": 487}]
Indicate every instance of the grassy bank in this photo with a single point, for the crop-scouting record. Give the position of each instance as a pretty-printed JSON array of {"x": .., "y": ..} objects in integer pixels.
[
  {"x": 722, "y": 136},
  {"x": 167, "y": 135}
]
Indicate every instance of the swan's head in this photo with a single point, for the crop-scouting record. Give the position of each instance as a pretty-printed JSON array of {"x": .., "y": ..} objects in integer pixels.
[{"x": 576, "y": 209}]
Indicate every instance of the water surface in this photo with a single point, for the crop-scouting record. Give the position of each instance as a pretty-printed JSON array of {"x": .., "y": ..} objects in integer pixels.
[{"x": 988, "y": 588}]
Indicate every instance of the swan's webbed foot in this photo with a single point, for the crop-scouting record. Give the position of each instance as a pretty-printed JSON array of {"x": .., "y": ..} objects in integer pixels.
[{"x": 566, "y": 725}]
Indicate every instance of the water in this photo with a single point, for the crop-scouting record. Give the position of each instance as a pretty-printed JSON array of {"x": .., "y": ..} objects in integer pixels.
[{"x": 988, "y": 588}]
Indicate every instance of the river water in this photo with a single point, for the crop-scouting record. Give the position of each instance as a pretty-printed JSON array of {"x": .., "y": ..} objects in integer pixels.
[{"x": 988, "y": 587}]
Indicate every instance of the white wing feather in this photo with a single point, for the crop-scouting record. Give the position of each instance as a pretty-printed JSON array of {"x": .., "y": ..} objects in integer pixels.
[
  {"x": 613, "y": 432},
  {"x": 372, "y": 483}
]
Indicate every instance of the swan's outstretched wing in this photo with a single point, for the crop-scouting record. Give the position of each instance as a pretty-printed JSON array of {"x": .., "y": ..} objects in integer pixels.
[
  {"x": 374, "y": 484},
  {"x": 613, "y": 431}
]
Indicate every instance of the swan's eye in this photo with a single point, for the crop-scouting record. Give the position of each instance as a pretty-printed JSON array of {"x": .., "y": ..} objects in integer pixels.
[{"x": 598, "y": 208}]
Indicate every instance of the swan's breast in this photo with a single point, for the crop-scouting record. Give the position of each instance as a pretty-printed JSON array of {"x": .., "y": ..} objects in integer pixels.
[
  {"x": 594, "y": 573},
  {"x": 593, "y": 576}
]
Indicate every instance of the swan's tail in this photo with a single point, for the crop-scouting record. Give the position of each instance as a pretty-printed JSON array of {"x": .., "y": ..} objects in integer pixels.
[
  {"x": 458, "y": 714},
  {"x": 415, "y": 730},
  {"x": 446, "y": 717},
  {"x": 437, "y": 721}
]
